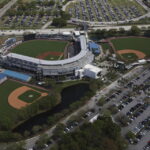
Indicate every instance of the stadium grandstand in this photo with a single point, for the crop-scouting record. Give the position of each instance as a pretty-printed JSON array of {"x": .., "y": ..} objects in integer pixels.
[{"x": 48, "y": 67}]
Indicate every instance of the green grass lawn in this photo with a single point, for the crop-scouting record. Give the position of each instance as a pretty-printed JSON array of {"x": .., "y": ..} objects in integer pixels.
[
  {"x": 129, "y": 56},
  {"x": 30, "y": 96},
  {"x": 141, "y": 44},
  {"x": 6, "y": 110},
  {"x": 35, "y": 48},
  {"x": 105, "y": 46}
]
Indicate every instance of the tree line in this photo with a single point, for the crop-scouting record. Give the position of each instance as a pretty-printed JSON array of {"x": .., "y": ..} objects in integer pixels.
[
  {"x": 134, "y": 31},
  {"x": 103, "y": 134}
]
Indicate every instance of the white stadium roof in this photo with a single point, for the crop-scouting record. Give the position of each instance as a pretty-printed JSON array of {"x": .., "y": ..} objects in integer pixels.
[{"x": 82, "y": 53}]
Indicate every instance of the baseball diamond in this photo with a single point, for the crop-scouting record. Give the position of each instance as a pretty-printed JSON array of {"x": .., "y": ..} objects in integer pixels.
[
  {"x": 17, "y": 95},
  {"x": 130, "y": 52},
  {"x": 18, "y": 98},
  {"x": 131, "y": 48}
]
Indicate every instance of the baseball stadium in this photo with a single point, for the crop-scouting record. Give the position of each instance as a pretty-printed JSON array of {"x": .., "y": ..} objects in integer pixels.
[
  {"x": 48, "y": 56},
  {"x": 131, "y": 48}
]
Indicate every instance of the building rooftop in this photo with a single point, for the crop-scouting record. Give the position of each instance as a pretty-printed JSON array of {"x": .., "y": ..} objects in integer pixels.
[
  {"x": 92, "y": 68},
  {"x": 94, "y": 47},
  {"x": 2, "y": 76}
]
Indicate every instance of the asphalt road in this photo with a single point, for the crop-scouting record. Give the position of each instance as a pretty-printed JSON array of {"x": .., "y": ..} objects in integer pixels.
[{"x": 56, "y": 31}]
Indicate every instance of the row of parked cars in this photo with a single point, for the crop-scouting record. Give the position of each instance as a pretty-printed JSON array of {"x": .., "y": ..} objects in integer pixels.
[
  {"x": 140, "y": 131},
  {"x": 25, "y": 20},
  {"x": 70, "y": 126},
  {"x": 104, "y": 10},
  {"x": 137, "y": 110},
  {"x": 147, "y": 146}
]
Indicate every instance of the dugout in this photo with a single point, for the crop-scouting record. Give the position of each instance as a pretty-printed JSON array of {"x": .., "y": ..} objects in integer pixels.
[{"x": 28, "y": 37}]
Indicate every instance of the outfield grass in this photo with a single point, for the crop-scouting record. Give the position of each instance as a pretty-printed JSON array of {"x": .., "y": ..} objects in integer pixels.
[
  {"x": 6, "y": 110},
  {"x": 30, "y": 96},
  {"x": 141, "y": 44},
  {"x": 105, "y": 46},
  {"x": 35, "y": 48}
]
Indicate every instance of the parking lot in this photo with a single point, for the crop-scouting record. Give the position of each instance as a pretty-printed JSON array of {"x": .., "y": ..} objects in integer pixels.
[
  {"x": 130, "y": 102},
  {"x": 105, "y": 10},
  {"x": 30, "y": 14},
  {"x": 134, "y": 107}
]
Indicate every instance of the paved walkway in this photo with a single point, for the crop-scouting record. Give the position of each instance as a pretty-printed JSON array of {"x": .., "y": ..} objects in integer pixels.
[
  {"x": 6, "y": 7},
  {"x": 46, "y": 25}
]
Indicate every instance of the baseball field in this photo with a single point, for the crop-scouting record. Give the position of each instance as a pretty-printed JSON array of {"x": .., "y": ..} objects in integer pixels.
[
  {"x": 15, "y": 96},
  {"x": 131, "y": 48},
  {"x": 42, "y": 49}
]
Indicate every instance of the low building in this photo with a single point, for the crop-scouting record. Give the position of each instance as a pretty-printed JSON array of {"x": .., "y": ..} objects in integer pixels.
[
  {"x": 142, "y": 61},
  {"x": 95, "y": 48},
  {"x": 76, "y": 33},
  {"x": 3, "y": 78},
  {"x": 10, "y": 41},
  {"x": 66, "y": 33},
  {"x": 92, "y": 71},
  {"x": 17, "y": 75},
  {"x": 89, "y": 71},
  {"x": 79, "y": 73},
  {"x": 94, "y": 118}
]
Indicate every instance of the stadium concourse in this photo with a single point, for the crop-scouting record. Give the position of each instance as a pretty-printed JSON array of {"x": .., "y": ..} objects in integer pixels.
[{"x": 69, "y": 66}]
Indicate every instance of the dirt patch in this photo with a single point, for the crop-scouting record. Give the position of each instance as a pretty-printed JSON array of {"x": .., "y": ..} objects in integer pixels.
[
  {"x": 139, "y": 54},
  {"x": 44, "y": 55},
  {"x": 44, "y": 94},
  {"x": 15, "y": 102}
]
